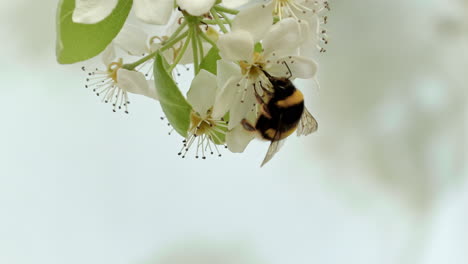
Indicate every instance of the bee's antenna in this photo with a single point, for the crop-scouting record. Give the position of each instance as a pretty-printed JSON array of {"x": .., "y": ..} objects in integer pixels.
[
  {"x": 289, "y": 70},
  {"x": 266, "y": 74}
]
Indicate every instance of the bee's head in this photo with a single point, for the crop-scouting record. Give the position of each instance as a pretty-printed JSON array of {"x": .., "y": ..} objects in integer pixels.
[{"x": 279, "y": 83}]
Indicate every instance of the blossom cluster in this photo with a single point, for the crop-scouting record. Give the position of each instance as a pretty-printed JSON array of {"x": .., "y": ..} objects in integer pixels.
[{"x": 231, "y": 46}]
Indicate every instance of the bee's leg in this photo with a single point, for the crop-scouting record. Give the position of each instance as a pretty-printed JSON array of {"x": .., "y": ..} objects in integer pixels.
[
  {"x": 265, "y": 111},
  {"x": 257, "y": 95},
  {"x": 247, "y": 126},
  {"x": 265, "y": 90},
  {"x": 259, "y": 99},
  {"x": 262, "y": 103}
]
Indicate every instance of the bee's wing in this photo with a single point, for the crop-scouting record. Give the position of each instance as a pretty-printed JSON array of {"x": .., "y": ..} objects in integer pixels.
[
  {"x": 274, "y": 147},
  {"x": 307, "y": 124}
]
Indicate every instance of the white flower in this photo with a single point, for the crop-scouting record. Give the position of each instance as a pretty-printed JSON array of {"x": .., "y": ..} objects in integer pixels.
[
  {"x": 234, "y": 3},
  {"x": 114, "y": 83},
  {"x": 297, "y": 8},
  {"x": 196, "y": 7},
  {"x": 205, "y": 131},
  {"x": 135, "y": 41},
  {"x": 241, "y": 68},
  {"x": 308, "y": 14},
  {"x": 150, "y": 11}
]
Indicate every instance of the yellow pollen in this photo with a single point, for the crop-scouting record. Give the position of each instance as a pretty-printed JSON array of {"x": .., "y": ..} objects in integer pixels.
[
  {"x": 255, "y": 68},
  {"x": 200, "y": 125},
  {"x": 113, "y": 68}
]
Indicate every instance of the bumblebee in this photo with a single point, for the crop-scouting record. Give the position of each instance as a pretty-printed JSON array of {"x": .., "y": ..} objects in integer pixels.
[{"x": 282, "y": 113}]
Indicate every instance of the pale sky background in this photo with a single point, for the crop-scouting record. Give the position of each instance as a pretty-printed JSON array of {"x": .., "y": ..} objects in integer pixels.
[{"x": 382, "y": 181}]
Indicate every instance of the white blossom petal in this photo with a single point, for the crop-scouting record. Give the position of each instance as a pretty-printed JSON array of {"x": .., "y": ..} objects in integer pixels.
[
  {"x": 225, "y": 70},
  {"x": 240, "y": 108},
  {"x": 92, "y": 11},
  {"x": 236, "y": 46},
  {"x": 226, "y": 97},
  {"x": 284, "y": 35},
  {"x": 256, "y": 19},
  {"x": 135, "y": 82},
  {"x": 196, "y": 7},
  {"x": 133, "y": 40},
  {"x": 310, "y": 34},
  {"x": 108, "y": 55},
  {"x": 153, "y": 11},
  {"x": 234, "y": 3},
  {"x": 238, "y": 138},
  {"x": 301, "y": 67},
  {"x": 202, "y": 92}
]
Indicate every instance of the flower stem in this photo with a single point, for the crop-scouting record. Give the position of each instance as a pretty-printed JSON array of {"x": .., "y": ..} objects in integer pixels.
[
  {"x": 194, "y": 40},
  {"x": 207, "y": 39},
  {"x": 167, "y": 45},
  {"x": 218, "y": 21},
  {"x": 226, "y": 18},
  {"x": 200, "y": 44},
  {"x": 211, "y": 22},
  {"x": 178, "y": 30},
  {"x": 182, "y": 51},
  {"x": 226, "y": 10}
]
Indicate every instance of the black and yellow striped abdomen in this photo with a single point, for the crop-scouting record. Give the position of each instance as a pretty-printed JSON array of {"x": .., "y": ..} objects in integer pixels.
[{"x": 285, "y": 110}]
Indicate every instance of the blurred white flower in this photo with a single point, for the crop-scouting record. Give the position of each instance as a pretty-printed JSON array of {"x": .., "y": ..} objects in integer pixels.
[
  {"x": 297, "y": 8},
  {"x": 205, "y": 131},
  {"x": 235, "y": 3},
  {"x": 135, "y": 41},
  {"x": 196, "y": 7},
  {"x": 149, "y": 11},
  {"x": 309, "y": 16}
]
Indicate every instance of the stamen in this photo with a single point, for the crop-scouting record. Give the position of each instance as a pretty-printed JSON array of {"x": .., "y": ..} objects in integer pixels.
[
  {"x": 204, "y": 133},
  {"x": 104, "y": 83}
]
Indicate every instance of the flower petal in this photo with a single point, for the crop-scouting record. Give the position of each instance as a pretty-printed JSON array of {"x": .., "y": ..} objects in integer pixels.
[
  {"x": 196, "y": 7},
  {"x": 108, "y": 55},
  {"x": 310, "y": 33},
  {"x": 226, "y": 70},
  {"x": 202, "y": 92},
  {"x": 238, "y": 138},
  {"x": 92, "y": 11},
  {"x": 284, "y": 35},
  {"x": 255, "y": 19},
  {"x": 236, "y": 45},
  {"x": 234, "y": 3},
  {"x": 135, "y": 82},
  {"x": 133, "y": 40},
  {"x": 226, "y": 97},
  {"x": 242, "y": 104},
  {"x": 301, "y": 67},
  {"x": 153, "y": 11}
]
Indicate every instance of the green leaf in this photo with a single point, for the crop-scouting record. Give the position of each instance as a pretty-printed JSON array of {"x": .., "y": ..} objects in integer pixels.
[
  {"x": 173, "y": 103},
  {"x": 209, "y": 62},
  {"x": 78, "y": 42},
  {"x": 258, "y": 47}
]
